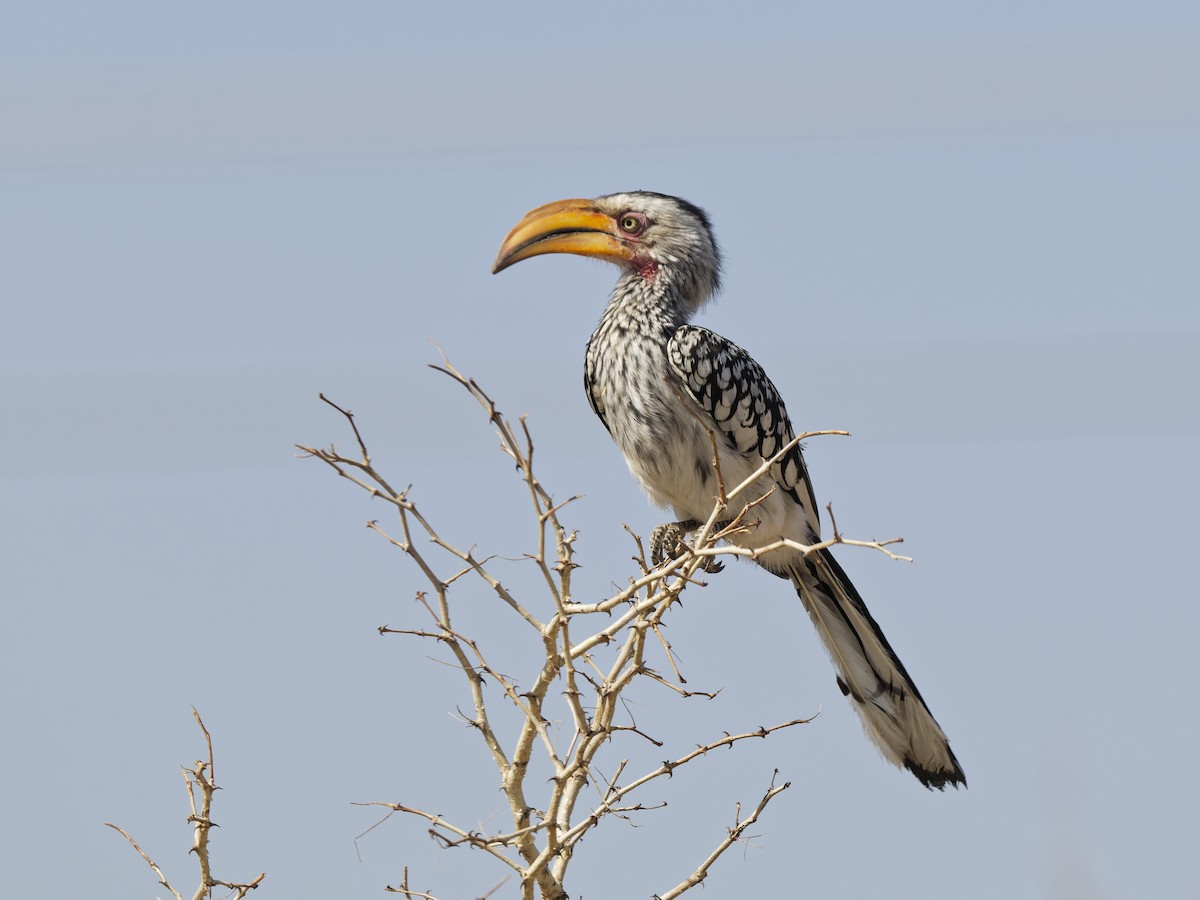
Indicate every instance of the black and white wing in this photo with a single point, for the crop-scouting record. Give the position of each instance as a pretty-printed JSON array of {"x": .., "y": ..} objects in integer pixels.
[{"x": 726, "y": 384}]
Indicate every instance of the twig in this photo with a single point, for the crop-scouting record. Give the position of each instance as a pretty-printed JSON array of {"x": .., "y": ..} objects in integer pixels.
[
  {"x": 668, "y": 769},
  {"x": 734, "y": 834},
  {"x": 162, "y": 879},
  {"x": 406, "y": 891}
]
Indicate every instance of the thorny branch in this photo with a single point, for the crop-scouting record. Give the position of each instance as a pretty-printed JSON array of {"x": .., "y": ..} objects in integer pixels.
[
  {"x": 200, "y": 784},
  {"x": 587, "y": 665},
  {"x": 733, "y": 836}
]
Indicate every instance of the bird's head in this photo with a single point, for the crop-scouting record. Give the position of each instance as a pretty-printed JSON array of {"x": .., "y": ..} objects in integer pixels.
[{"x": 662, "y": 239}]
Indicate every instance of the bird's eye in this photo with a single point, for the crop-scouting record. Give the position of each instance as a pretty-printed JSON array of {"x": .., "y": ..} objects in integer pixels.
[{"x": 632, "y": 224}]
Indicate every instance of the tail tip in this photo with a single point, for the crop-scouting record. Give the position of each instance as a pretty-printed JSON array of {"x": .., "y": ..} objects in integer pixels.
[{"x": 939, "y": 778}]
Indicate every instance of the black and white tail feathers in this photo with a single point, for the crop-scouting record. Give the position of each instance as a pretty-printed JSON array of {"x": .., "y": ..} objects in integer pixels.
[{"x": 894, "y": 715}]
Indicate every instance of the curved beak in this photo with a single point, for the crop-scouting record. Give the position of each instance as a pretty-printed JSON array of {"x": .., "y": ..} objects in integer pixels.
[{"x": 565, "y": 226}]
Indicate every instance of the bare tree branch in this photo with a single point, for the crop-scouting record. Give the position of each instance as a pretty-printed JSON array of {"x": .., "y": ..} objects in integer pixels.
[
  {"x": 162, "y": 879},
  {"x": 584, "y": 655},
  {"x": 735, "y": 833},
  {"x": 200, "y": 785}
]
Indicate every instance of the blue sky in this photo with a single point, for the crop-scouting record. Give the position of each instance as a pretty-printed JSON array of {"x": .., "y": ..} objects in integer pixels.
[{"x": 965, "y": 234}]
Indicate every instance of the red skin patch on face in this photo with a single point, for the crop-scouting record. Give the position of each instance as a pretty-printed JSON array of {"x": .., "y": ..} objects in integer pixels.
[{"x": 647, "y": 268}]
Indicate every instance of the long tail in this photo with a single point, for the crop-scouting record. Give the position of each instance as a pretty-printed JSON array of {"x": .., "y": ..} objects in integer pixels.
[{"x": 872, "y": 676}]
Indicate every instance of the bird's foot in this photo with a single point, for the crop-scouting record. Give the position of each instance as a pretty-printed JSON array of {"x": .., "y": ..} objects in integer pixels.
[{"x": 666, "y": 542}]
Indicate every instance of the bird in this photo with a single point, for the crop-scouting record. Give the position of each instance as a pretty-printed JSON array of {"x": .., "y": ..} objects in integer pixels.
[{"x": 669, "y": 391}]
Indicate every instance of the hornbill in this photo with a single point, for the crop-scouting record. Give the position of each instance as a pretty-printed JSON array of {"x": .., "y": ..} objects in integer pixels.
[{"x": 665, "y": 390}]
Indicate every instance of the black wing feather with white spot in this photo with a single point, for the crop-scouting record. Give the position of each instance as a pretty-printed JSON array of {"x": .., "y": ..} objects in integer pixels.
[{"x": 727, "y": 384}]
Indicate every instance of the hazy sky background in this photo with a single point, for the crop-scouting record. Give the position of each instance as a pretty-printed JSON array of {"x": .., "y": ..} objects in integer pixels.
[{"x": 965, "y": 233}]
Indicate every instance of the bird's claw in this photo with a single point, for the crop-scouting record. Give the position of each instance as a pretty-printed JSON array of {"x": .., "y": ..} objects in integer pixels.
[{"x": 666, "y": 542}]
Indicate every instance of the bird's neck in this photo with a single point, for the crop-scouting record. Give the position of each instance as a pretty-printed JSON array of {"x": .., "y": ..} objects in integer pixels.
[{"x": 647, "y": 306}]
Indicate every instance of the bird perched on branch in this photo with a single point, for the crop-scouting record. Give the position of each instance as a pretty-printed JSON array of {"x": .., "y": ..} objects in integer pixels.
[{"x": 667, "y": 391}]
